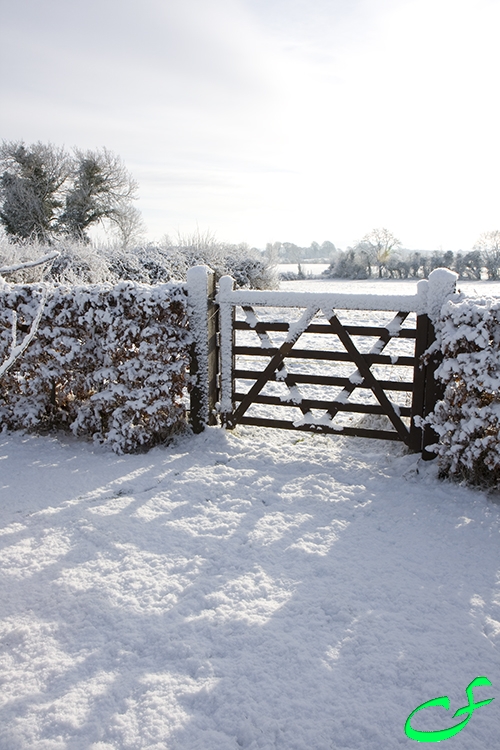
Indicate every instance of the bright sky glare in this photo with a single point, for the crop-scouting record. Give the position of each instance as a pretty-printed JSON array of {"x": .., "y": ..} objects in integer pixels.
[{"x": 266, "y": 120}]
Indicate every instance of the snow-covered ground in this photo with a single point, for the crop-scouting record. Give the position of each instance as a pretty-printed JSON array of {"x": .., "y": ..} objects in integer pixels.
[
  {"x": 253, "y": 589},
  {"x": 249, "y": 589}
]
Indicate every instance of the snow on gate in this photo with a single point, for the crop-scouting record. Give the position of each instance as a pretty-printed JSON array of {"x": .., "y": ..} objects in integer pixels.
[{"x": 318, "y": 362}]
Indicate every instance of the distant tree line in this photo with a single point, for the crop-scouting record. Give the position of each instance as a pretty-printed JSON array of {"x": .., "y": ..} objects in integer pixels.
[
  {"x": 380, "y": 254},
  {"x": 288, "y": 252}
]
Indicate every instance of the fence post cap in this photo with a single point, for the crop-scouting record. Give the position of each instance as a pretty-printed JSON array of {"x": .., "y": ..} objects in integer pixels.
[
  {"x": 197, "y": 273},
  {"x": 443, "y": 276},
  {"x": 226, "y": 284},
  {"x": 442, "y": 284}
]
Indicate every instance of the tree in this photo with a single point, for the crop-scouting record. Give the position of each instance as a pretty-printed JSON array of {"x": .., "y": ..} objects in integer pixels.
[
  {"x": 473, "y": 264},
  {"x": 101, "y": 189},
  {"x": 31, "y": 186},
  {"x": 350, "y": 264},
  {"x": 488, "y": 244},
  {"x": 44, "y": 192},
  {"x": 328, "y": 249},
  {"x": 379, "y": 244},
  {"x": 314, "y": 250},
  {"x": 272, "y": 253},
  {"x": 398, "y": 268},
  {"x": 130, "y": 228},
  {"x": 292, "y": 252},
  {"x": 460, "y": 265},
  {"x": 448, "y": 258}
]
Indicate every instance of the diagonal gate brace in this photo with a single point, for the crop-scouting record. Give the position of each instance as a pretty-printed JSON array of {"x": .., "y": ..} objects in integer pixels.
[
  {"x": 295, "y": 332},
  {"x": 377, "y": 348},
  {"x": 369, "y": 379}
]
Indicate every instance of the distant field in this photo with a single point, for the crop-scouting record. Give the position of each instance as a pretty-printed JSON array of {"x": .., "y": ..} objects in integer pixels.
[
  {"x": 380, "y": 286},
  {"x": 313, "y": 269}
]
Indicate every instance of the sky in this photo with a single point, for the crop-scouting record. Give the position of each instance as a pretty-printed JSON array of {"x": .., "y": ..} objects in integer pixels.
[{"x": 272, "y": 120}]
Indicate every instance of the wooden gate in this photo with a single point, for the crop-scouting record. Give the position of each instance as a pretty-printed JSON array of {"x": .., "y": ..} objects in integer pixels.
[{"x": 272, "y": 373}]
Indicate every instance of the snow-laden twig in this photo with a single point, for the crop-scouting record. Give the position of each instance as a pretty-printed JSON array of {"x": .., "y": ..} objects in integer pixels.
[
  {"x": 30, "y": 263},
  {"x": 17, "y": 349}
]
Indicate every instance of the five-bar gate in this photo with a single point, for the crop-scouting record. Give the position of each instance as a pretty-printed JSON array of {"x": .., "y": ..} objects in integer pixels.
[{"x": 309, "y": 361}]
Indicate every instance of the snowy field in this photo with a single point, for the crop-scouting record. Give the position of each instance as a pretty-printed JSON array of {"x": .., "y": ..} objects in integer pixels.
[
  {"x": 383, "y": 286},
  {"x": 253, "y": 589}
]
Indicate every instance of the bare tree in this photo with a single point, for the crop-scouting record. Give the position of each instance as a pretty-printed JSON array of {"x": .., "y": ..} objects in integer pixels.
[
  {"x": 379, "y": 244},
  {"x": 102, "y": 189},
  {"x": 130, "y": 229}
]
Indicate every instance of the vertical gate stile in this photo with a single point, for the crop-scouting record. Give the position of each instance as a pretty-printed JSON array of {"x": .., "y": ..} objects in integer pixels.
[
  {"x": 213, "y": 350},
  {"x": 203, "y": 323}
]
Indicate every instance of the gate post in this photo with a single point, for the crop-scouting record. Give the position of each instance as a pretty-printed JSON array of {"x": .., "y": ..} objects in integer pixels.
[
  {"x": 227, "y": 315},
  {"x": 203, "y": 316},
  {"x": 422, "y": 343},
  {"x": 428, "y": 390}
]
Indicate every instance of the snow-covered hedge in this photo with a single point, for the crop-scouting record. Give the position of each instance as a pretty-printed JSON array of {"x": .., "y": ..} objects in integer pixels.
[
  {"x": 83, "y": 263},
  {"x": 467, "y": 420},
  {"x": 108, "y": 362}
]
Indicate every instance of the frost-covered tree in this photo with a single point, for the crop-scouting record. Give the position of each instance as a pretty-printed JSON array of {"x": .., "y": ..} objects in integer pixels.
[
  {"x": 328, "y": 249},
  {"x": 488, "y": 245},
  {"x": 46, "y": 192},
  {"x": 379, "y": 244},
  {"x": 398, "y": 268},
  {"x": 31, "y": 188},
  {"x": 415, "y": 261},
  {"x": 469, "y": 266},
  {"x": 101, "y": 189},
  {"x": 467, "y": 419},
  {"x": 351, "y": 264},
  {"x": 473, "y": 264},
  {"x": 130, "y": 229}
]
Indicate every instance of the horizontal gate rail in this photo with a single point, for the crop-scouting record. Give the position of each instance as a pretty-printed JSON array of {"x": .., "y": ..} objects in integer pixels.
[
  {"x": 341, "y": 430},
  {"x": 274, "y": 360},
  {"x": 326, "y": 355},
  {"x": 261, "y": 326},
  {"x": 308, "y": 403},
  {"x": 393, "y": 385}
]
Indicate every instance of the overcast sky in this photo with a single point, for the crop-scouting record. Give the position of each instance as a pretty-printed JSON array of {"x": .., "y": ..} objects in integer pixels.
[{"x": 266, "y": 120}]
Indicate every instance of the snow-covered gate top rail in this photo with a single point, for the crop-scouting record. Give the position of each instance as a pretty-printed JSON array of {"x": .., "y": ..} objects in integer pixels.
[{"x": 347, "y": 369}]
